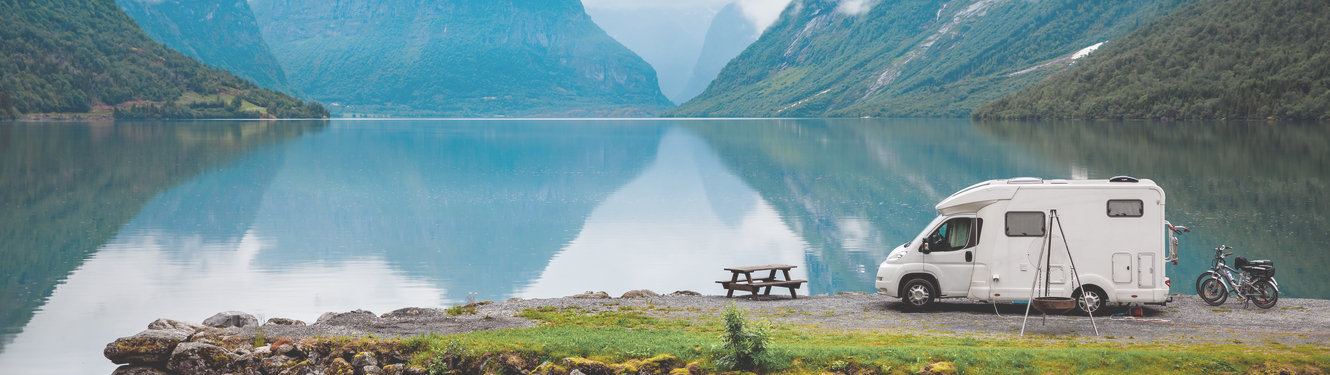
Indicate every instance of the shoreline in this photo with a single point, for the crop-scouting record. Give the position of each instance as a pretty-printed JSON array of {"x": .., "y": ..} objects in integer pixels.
[{"x": 1292, "y": 323}]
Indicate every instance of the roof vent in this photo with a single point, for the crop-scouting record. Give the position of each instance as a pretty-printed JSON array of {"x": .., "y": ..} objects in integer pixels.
[
  {"x": 1123, "y": 179},
  {"x": 1026, "y": 180}
]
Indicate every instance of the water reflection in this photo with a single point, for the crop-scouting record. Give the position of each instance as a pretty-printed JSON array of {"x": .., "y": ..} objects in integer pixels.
[
  {"x": 67, "y": 188},
  {"x": 854, "y": 189},
  {"x": 673, "y": 228}
]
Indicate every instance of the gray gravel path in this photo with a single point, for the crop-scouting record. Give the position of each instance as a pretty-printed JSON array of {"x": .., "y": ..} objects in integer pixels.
[{"x": 1292, "y": 322}]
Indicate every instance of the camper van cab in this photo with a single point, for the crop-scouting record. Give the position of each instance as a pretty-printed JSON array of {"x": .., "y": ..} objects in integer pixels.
[{"x": 987, "y": 242}]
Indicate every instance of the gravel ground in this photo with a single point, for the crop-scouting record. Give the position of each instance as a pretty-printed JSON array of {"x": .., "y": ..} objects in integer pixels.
[{"x": 1186, "y": 320}]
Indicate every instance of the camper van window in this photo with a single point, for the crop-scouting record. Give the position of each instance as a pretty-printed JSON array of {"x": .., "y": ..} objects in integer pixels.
[
  {"x": 1025, "y": 224},
  {"x": 954, "y": 234},
  {"x": 1126, "y": 208}
]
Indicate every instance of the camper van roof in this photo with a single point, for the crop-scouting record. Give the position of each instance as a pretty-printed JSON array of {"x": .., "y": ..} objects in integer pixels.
[{"x": 972, "y": 198}]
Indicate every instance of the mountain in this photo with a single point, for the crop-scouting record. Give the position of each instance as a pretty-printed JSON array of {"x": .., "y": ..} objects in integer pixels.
[
  {"x": 1234, "y": 59},
  {"x": 457, "y": 58},
  {"x": 728, "y": 35},
  {"x": 87, "y": 57},
  {"x": 909, "y": 58},
  {"x": 218, "y": 33},
  {"x": 668, "y": 38}
]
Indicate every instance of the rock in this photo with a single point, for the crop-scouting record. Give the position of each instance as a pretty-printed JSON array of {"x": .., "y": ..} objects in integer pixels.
[
  {"x": 325, "y": 317},
  {"x": 200, "y": 359},
  {"x": 685, "y": 293},
  {"x": 172, "y": 324},
  {"x": 249, "y": 363},
  {"x": 139, "y": 370},
  {"x": 298, "y": 368},
  {"x": 640, "y": 293},
  {"x": 283, "y": 349},
  {"x": 340, "y": 367},
  {"x": 231, "y": 319},
  {"x": 415, "y": 370},
  {"x": 151, "y": 346},
  {"x": 354, "y": 317},
  {"x": 371, "y": 370},
  {"x": 852, "y": 293},
  {"x": 364, "y": 359},
  {"x": 575, "y": 372},
  {"x": 514, "y": 299},
  {"x": 939, "y": 368},
  {"x": 591, "y": 295},
  {"x": 276, "y": 364},
  {"x": 410, "y": 311},
  {"x": 284, "y": 322},
  {"x": 394, "y": 369},
  {"x": 209, "y": 335}
]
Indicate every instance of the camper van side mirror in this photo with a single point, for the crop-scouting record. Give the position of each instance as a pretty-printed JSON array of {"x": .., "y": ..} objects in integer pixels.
[{"x": 924, "y": 249}]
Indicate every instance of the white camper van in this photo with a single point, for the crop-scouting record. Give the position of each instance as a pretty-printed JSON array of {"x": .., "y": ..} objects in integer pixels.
[{"x": 986, "y": 244}]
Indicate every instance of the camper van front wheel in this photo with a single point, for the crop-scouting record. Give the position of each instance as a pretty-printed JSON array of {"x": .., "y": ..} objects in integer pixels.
[
  {"x": 1093, "y": 301},
  {"x": 919, "y": 293}
]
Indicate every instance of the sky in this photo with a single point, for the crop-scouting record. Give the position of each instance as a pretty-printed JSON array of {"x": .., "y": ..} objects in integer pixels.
[{"x": 761, "y": 12}]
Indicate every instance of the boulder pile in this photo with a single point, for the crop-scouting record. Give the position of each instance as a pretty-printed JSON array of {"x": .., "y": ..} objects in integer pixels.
[{"x": 222, "y": 345}]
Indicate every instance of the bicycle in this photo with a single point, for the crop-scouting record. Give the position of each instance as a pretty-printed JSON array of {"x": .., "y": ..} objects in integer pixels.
[{"x": 1252, "y": 281}]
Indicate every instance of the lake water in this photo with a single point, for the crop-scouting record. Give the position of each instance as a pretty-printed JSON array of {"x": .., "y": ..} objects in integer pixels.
[{"x": 105, "y": 227}]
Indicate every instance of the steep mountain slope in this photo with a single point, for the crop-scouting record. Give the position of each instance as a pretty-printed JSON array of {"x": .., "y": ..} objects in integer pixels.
[
  {"x": 728, "y": 35},
  {"x": 666, "y": 37},
  {"x": 1235, "y": 59},
  {"x": 909, "y": 58},
  {"x": 86, "y": 56},
  {"x": 219, "y": 33},
  {"x": 457, "y": 58}
]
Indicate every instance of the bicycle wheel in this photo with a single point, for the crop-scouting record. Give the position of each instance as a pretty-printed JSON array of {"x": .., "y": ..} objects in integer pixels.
[
  {"x": 1201, "y": 279},
  {"x": 1266, "y": 295},
  {"x": 1213, "y": 292}
]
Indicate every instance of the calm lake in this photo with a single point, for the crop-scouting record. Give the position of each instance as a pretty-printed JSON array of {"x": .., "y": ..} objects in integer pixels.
[{"x": 105, "y": 227}]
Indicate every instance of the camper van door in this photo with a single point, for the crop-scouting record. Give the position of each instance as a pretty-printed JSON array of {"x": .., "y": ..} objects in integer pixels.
[{"x": 951, "y": 254}]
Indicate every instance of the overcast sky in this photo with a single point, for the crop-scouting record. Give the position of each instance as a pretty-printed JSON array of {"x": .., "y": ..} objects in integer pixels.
[{"x": 761, "y": 12}]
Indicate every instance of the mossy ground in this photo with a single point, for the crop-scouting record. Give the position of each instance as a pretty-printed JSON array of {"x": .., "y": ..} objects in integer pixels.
[{"x": 621, "y": 341}]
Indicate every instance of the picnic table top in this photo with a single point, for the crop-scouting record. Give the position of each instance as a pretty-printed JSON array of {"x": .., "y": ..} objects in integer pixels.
[{"x": 761, "y": 268}]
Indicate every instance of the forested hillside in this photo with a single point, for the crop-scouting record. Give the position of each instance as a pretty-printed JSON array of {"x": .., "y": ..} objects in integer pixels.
[
  {"x": 87, "y": 56},
  {"x": 910, "y": 58},
  {"x": 219, "y": 33},
  {"x": 457, "y": 58},
  {"x": 1234, "y": 59}
]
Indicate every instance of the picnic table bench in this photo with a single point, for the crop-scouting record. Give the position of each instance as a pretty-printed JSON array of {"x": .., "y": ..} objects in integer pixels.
[{"x": 748, "y": 283}]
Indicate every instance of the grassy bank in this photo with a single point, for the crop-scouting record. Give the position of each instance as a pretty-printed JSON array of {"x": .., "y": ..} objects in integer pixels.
[{"x": 632, "y": 340}]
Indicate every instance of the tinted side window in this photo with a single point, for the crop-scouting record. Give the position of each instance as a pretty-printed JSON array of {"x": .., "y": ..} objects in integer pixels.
[
  {"x": 1025, "y": 224},
  {"x": 1126, "y": 208}
]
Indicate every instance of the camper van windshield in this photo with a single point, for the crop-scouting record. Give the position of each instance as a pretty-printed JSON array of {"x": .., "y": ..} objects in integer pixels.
[{"x": 928, "y": 228}]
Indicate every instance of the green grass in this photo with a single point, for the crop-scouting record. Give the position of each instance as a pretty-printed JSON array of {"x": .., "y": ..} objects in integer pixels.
[{"x": 618, "y": 337}]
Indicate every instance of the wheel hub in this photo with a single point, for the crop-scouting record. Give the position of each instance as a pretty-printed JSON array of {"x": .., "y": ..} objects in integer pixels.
[{"x": 918, "y": 295}]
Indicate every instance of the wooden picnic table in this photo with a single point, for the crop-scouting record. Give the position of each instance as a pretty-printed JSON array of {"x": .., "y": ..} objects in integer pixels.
[{"x": 749, "y": 284}]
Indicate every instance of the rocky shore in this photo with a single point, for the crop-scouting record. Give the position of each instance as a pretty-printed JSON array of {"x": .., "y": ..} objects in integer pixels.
[{"x": 225, "y": 343}]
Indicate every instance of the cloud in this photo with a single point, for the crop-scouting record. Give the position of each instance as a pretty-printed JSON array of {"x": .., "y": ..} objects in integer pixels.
[
  {"x": 762, "y": 13},
  {"x": 654, "y": 4},
  {"x": 855, "y": 7}
]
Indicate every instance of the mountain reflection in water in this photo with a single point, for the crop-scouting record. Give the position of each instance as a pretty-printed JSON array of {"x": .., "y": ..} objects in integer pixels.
[{"x": 114, "y": 225}]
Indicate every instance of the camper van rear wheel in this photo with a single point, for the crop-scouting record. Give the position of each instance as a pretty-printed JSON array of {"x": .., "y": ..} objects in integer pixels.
[
  {"x": 919, "y": 293},
  {"x": 1093, "y": 301}
]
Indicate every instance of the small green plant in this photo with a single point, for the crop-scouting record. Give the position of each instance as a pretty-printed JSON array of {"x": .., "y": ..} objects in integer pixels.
[
  {"x": 744, "y": 344},
  {"x": 839, "y": 366},
  {"x": 461, "y": 310},
  {"x": 260, "y": 339}
]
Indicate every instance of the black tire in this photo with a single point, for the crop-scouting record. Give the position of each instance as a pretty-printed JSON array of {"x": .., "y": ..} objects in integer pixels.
[
  {"x": 919, "y": 294},
  {"x": 1094, "y": 300},
  {"x": 1213, "y": 292},
  {"x": 1201, "y": 279},
  {"x": 1266, "y": 294}
]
